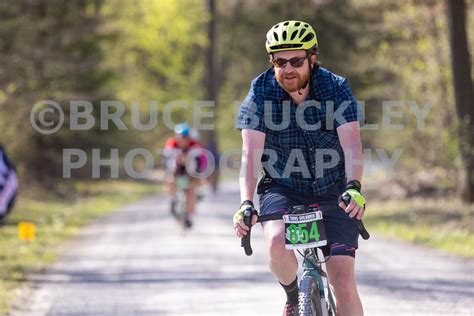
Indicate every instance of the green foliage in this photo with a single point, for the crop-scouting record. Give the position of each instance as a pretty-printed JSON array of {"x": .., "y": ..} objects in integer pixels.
[
  {"x": 93, "y": 51},
  {"x": 415, "y": 51},
  {"x": 51, "y": 51},
  {"x": 163, "y": 44},
  {"x": 442, "y": 223},
  {"x": 157, "y": 56}
]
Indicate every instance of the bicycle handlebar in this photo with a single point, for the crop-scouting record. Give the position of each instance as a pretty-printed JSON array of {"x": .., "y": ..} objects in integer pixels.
[{"x": 245, "y": 241}]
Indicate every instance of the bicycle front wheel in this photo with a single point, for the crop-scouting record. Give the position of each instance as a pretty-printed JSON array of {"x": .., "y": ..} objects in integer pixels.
[{"x": 309, "y": 301}]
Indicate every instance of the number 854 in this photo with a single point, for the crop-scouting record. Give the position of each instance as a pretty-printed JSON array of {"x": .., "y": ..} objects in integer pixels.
[{"x": 298, "y": 233}]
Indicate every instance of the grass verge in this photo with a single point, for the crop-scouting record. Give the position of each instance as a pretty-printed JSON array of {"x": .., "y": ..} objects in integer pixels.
[
  {"x": 56, "y": 219},
  {"x": 445, "y": 224}
]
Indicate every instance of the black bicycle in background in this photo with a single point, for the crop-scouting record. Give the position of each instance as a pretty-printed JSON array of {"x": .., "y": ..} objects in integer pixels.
[{"x": 305, "y": 232}]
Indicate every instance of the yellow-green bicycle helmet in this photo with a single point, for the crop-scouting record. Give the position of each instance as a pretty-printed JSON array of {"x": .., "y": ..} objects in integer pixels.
[{"x": 291, "y": 35}]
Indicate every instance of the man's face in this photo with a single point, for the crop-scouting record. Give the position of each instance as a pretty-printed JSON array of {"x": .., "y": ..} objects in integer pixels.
[{"x": 292, "y": 78}]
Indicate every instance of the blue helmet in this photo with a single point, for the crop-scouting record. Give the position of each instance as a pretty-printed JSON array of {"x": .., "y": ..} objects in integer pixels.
[{"x": 182, "y": 129}]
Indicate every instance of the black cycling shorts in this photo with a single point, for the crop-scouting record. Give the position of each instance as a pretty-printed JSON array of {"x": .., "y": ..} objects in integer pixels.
[{"x": 341, "y": 230}]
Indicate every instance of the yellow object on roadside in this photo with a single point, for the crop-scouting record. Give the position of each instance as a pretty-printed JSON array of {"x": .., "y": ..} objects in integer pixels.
[{"x": 26, "y": 231}]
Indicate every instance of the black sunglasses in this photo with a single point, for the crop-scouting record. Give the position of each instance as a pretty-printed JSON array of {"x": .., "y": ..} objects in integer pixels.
[{"x": 295, "y": 62}]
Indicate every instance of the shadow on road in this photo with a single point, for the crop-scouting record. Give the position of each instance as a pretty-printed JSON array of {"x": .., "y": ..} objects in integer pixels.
[{"x": 407, "y": 288}]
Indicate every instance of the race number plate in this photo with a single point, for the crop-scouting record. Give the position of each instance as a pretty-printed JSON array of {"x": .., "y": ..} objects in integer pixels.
[{"x": 304, "y": 231}]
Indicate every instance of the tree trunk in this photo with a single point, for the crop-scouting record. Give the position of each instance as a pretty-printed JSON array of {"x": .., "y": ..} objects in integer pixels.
[
  {"x": 463, "y": 90},
  {"x": 210, "y": 137}
]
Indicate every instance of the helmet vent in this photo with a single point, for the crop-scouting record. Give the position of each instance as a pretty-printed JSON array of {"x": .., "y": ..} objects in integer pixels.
[
  {"x": 293, "y": 35},
  {"x": 297, "y": 23},
  {"x": 308, "y": 37},
  {"x": 286, "y": 23},
  {"x": 275, "y": 35},
  {"x": 285, "y": 46},
  {"x": 284, "y": 35},
  {"x": 276, "y": 26},
  {"x": 306, "y": 25},
  {"x": 302, "y": 32}
]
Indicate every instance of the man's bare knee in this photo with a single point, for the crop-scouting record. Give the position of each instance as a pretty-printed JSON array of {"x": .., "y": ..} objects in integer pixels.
[
  {"x": 277, "y": 248},
  {"x": 344, "y": 285},
  {"x": 342, "y": 276}
]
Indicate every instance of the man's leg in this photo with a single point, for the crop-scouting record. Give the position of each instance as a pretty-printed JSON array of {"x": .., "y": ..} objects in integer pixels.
[
  {"x": 171, "y": 190},
  {"x": 191, "y": 198},
  {"x": 342, "y": 277},
  {"x": 282, "y": 261},
  {"x": 283, "y": 264}
]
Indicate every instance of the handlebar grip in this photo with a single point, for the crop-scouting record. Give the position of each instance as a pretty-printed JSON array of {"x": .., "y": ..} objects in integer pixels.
[
  {"x": 346, "y": 198},
  {"x": 245, "y": 241}
]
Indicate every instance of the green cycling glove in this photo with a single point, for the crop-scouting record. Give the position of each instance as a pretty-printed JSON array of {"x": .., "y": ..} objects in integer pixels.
[
  {"x": 246, "y": 205},
  {"x": 353, "y": 193}
]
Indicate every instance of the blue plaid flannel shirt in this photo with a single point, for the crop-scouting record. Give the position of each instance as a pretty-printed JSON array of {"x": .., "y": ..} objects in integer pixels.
[{"x": 302, "y": 149}]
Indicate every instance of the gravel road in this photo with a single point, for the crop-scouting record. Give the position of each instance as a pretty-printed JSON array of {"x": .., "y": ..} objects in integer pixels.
[{"x": 137, "y": 261}]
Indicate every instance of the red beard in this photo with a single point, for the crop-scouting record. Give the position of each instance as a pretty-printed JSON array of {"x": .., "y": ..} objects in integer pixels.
[{"x": 292, "y": 81}]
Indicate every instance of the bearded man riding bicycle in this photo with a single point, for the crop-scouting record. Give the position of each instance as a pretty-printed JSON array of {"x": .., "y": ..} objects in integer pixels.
[{"x": 301, "y": 123}]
